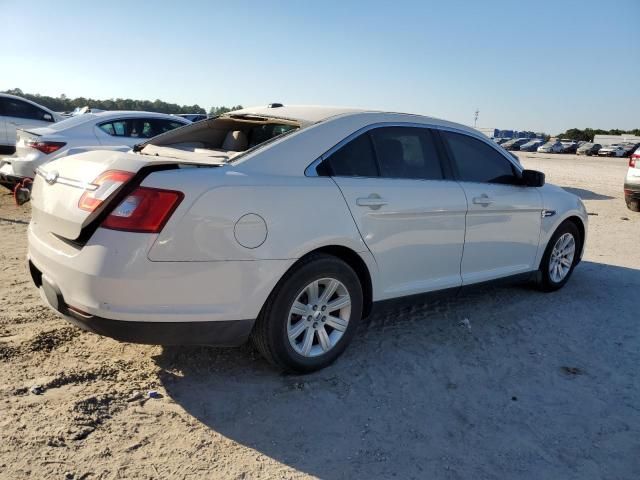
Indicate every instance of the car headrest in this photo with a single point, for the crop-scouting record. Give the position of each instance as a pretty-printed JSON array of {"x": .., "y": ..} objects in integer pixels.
[{"x": 235, "y": 141}]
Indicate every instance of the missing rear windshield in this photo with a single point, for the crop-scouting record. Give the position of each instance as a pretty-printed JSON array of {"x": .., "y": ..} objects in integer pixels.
[{"x": 219, "y": 140}]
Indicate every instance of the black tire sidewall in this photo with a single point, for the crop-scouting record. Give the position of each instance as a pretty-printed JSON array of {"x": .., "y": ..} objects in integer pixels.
[
  {"x": 287, "y": 292},
  {"x": 565, "y": 227},
  {"x": 632, "y": 204}
]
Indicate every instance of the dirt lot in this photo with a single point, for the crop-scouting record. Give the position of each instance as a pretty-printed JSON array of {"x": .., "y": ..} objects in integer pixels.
[{"x": 534, "y": 385}]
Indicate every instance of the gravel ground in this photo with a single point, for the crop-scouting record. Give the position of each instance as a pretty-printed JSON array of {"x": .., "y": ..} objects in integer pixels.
[{"x": 503, "y": 382}]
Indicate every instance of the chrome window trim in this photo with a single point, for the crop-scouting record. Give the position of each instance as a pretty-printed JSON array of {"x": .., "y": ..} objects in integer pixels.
[{"x": 310, "y": 171}]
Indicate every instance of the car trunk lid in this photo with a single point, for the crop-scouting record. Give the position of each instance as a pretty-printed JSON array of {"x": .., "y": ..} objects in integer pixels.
[{"x": 59, "y": 186}]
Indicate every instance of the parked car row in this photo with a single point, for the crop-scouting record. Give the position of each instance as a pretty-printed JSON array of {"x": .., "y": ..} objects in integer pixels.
[
  {"x": 618, "y": 150},
  {"x": 20, "y": 113},
  {"x": 119, "y": 130},
  {"x": 567, "y": 146}
]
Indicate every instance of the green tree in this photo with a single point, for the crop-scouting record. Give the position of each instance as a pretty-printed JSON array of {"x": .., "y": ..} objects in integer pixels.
[
  {"x": 588, "y": 134},
  {"x": 217, "y": 111}
]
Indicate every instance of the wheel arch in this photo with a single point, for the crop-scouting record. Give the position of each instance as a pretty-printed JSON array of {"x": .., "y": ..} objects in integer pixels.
[
  {"x": 577, "y": 221},
  {"x": 355, "y": 261},
  {"x": 582, "y": 231},
  {"x": 351, "y": 258}
]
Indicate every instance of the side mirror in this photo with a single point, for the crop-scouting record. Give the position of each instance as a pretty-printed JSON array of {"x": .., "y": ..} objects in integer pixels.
[
  {"x": 47, "y": 117},
  {"x": 532, "y": 178}
]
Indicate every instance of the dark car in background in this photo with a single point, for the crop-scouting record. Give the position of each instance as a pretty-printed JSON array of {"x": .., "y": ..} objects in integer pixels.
[
  {"x": 589, "y": 149},
  {"x": 629, "y": 148},
  {"x": 532, "y": 145},
  {"x": 515, "y": 143},
  {"x": 568, "y": 145}
]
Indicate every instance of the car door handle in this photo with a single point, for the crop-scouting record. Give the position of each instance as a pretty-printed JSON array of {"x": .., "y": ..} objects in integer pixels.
[
  {"x": 482, "y": 200},
  {"x": 373, "y": 201}
]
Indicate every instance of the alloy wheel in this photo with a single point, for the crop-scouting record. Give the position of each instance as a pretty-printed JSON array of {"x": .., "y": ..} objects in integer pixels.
[
  {"x": 562, "y": 257},
  {"x": 319, "y": 317}
]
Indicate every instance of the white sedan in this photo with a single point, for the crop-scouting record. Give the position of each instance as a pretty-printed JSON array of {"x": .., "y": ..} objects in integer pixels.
[
  {"x": 611, "y": 151},
  {"x": 114, "y": 130},
  {"x": 286, "y": 224}
]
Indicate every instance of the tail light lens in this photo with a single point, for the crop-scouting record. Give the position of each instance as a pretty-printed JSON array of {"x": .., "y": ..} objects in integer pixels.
[
  {"x": 634, "y": 161},
  {"x": 106, "y": 184},
  {"x": 45, "y": 147},
  {"x": 146, "y": 210}
]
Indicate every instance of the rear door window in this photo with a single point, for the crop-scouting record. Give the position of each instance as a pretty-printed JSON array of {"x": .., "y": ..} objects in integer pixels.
[
  {"x": 355, "y": 159},
  {"x": 132, "y": 128},
  {"x": 407, "y": 152},
  {"x": 115, "y": 129},
  {"x": 478, "y": 162}
]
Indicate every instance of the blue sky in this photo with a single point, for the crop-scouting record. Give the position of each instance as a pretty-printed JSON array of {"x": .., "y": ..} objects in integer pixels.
[{"x": 545, "y": 66}]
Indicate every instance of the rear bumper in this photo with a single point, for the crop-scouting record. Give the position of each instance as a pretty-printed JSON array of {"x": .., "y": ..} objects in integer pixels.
[
  {"x": 110, "y": 287},
  {"x": 228, "y": 333},
  {"x": 219, "y": 333},
  {"x": 18, "y": 167},
  {"x": 8, "y": 178}
]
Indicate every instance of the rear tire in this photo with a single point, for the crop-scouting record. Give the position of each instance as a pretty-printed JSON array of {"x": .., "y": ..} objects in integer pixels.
[
  {"x": 560, "y": 257},
  {"x": 633, "y": 205},
  {"x": 298, "y": 329}
]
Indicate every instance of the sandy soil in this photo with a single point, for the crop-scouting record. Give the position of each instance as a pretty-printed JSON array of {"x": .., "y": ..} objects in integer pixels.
[{"x": 540, "y": 386}]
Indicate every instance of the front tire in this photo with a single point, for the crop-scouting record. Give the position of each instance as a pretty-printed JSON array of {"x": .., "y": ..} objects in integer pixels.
[
  {"x": 560, "y": 257},
  {"x": 311, "y": 315}
]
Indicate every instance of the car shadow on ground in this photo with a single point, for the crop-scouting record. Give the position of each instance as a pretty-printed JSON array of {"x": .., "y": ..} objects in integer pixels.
[
  {"x": 587, "y": 194},
  {"x": 496, "y": 382}
]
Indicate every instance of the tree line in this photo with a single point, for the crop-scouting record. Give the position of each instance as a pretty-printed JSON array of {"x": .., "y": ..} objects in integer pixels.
[
  {"x": 63, "y": 103},
  {"x": 215, "y": 111},
  {"x": 587, "y": 134}
]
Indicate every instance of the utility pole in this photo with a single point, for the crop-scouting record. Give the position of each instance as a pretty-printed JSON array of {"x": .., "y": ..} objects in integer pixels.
[{"x": 475, "y": 118}]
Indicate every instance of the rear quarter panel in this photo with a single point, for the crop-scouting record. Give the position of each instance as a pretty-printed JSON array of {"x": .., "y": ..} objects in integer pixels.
[{"x": 300, "y": 213}]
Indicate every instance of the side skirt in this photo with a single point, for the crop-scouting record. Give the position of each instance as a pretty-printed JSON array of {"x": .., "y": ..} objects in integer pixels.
[{"x": 394, "y": 303}]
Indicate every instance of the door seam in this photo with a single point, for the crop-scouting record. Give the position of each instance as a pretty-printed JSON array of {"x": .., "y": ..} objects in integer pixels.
[{"x": 354, "y": 221}]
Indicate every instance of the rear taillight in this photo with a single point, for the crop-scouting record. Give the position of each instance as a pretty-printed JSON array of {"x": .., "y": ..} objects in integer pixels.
[
  {"x": 106, "y": 184},
  {"x": 45, "y": 147},
  {"x": 634, "y": 161},
  {"x": 145, "y": 210}
]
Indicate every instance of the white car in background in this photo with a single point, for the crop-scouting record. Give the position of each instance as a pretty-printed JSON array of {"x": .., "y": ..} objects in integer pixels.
[
  {"x": 285, "y": 224},
  {"x": 632, "y": 183},
  {"x": 611, "y": 151},
  {"x": 551, "y": 147},
  {"x": 112, "y": 130},
  {"x": 17, "y": 112}
]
